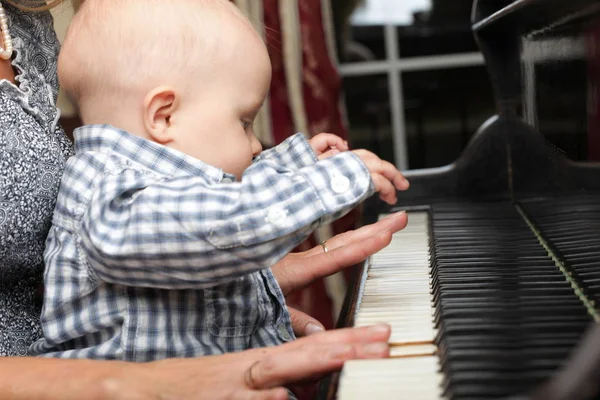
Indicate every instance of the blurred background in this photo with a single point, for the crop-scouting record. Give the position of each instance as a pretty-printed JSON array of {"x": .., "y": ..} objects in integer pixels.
[
  {"x": 405, "y": 79},
  {"x": 412, "y": 83}
]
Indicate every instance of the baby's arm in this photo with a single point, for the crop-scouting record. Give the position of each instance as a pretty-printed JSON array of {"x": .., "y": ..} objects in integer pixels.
[
  {"x": 181, "y": 232},
  {"x": 294, "y": 153},
  {"x": 326, "y": 145}
]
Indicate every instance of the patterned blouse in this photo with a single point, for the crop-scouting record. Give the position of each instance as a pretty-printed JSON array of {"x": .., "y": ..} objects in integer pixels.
[{"x": 33, "y": 151}]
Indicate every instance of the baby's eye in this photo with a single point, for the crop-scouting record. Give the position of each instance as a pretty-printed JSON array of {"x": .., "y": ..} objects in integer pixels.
[{"x": 246, "y": 125}]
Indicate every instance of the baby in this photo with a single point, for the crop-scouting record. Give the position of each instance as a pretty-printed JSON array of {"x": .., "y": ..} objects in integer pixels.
[{"x": 169, "y": 216}]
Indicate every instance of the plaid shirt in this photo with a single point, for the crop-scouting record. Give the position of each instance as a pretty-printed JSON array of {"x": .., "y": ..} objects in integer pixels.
[{"x": 155, "y": 254}]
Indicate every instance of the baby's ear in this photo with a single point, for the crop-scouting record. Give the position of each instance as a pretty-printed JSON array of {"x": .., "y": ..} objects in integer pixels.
[{"x": 159, "y": 105}]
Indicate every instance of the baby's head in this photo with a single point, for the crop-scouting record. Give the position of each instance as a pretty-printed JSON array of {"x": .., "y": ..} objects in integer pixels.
[{"x": 188, "y": 74}]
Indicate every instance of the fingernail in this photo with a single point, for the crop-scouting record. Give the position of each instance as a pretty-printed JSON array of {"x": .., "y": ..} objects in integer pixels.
[
  {"x": 312, "y": 328},
  {"x": 334, "y": 151},
  {"x": 379, "y": 329},
  {"x": 396, "y": 214},
  {"x": 340, "y": 351},
  {"x": 376, "y": 349}
]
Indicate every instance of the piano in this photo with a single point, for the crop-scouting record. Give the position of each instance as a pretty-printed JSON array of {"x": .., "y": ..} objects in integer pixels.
[{"x": 493, "y": 289}]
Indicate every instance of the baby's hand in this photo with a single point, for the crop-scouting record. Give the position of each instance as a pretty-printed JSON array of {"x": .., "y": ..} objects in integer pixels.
[
  {"x": 326, "y": 145},
  {"x": 385, "y": 176}
]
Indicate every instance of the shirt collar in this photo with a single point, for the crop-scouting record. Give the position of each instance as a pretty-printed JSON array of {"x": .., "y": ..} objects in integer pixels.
[{"x": 166, "y": 161}]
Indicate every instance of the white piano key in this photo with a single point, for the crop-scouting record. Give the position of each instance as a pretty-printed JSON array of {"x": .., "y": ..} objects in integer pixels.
[
  {"x": 413, "y": 350},
  {"x": 396, "y": 378},
  {"x": 397, "y": 291}
]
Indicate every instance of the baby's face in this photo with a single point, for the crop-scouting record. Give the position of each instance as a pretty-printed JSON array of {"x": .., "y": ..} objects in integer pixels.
[
  {"x": 216, "y": 126},
  {"x": 202, "y": 100}
]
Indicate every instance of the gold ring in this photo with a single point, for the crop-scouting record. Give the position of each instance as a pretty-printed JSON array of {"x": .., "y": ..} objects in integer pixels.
[
  {"x": 249, "y": 378},
  {"x": 324, "y": 246}
]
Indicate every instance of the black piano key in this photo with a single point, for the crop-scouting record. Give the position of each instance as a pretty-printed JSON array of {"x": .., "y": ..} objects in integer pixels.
[
  {"x": 507, "y": 317},
  {"x": 571, "y": 225}
]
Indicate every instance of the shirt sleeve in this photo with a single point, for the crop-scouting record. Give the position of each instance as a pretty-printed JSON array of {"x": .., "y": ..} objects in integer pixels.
[
  {"x": 294, "y": 153},
  {"x": 182, "y": 232}
]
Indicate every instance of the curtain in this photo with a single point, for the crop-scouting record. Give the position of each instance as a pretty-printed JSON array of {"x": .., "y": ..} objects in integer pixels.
[{"x": 304, "y": 97}]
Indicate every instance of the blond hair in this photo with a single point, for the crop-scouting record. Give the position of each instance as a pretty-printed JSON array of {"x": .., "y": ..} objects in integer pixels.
[{"x": 120, "y": 50}]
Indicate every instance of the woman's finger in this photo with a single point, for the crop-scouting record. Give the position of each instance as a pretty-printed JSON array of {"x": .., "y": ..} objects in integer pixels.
[
  {"x": 300, "y": 272},
  {"x": 303, "y": 324},
  {"x": 392, "y": 223},
  {"x": 364, "y": 334},
  {"x": 278, "y": 393},
  {"x": 308, "y": 362}
]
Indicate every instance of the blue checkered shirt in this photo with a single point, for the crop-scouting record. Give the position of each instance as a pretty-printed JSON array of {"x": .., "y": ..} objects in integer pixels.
[{"x": 155, "y": 254}]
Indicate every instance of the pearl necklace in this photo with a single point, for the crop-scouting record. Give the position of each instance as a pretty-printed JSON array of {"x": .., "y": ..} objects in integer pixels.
[{"x": 7, "y": 50}]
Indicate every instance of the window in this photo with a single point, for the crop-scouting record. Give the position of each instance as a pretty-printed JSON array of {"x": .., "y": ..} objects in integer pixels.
[{"x": 415, "y": 83}]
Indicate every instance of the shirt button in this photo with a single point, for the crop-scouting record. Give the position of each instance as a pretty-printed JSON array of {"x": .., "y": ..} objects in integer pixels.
[
  {"x": 283, "y": 147},
  {"x": 227, "y": 180},
  {"x": 276, "y": 215},
  {"x": 340, "y": 184},
  {"x": 283, "y": 332}
]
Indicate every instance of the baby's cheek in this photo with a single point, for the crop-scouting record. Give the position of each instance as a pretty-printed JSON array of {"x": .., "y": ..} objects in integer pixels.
[
  {"x": 237, "y": 165},
  {"x": 243, "y": 166}
]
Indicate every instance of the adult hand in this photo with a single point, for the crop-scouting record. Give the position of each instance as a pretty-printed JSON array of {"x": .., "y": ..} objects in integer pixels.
[
  {"x": 252, "y": 374},
  {"x": 298, "y": 270},
  {"x": 262, "y": 373}
]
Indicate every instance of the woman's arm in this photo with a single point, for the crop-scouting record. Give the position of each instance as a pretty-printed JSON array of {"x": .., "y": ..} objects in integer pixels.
[
  {"x": 251, "y": 374},
  {"x": 28, "y": 378}
]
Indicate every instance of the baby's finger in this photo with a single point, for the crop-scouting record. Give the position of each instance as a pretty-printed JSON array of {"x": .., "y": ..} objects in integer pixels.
[
  {"x": 384, "y": 187},
  {"x": 390, "y": 171},
  {"x": 324, "y": 141},
  {"x": 376, "y": 165},
  {"x": 364, "y": 154},
  {"x": 328, "y": 153}
]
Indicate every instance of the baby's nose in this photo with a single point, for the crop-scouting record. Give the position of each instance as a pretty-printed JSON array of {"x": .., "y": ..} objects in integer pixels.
[{"x": 256, "y": 146}]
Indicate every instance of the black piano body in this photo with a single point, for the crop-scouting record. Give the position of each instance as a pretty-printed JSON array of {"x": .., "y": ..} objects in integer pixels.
[{"x": 509, "y": 165}]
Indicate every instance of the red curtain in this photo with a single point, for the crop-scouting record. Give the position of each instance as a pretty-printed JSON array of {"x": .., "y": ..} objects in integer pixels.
[{"x": 321, "y": 87}]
